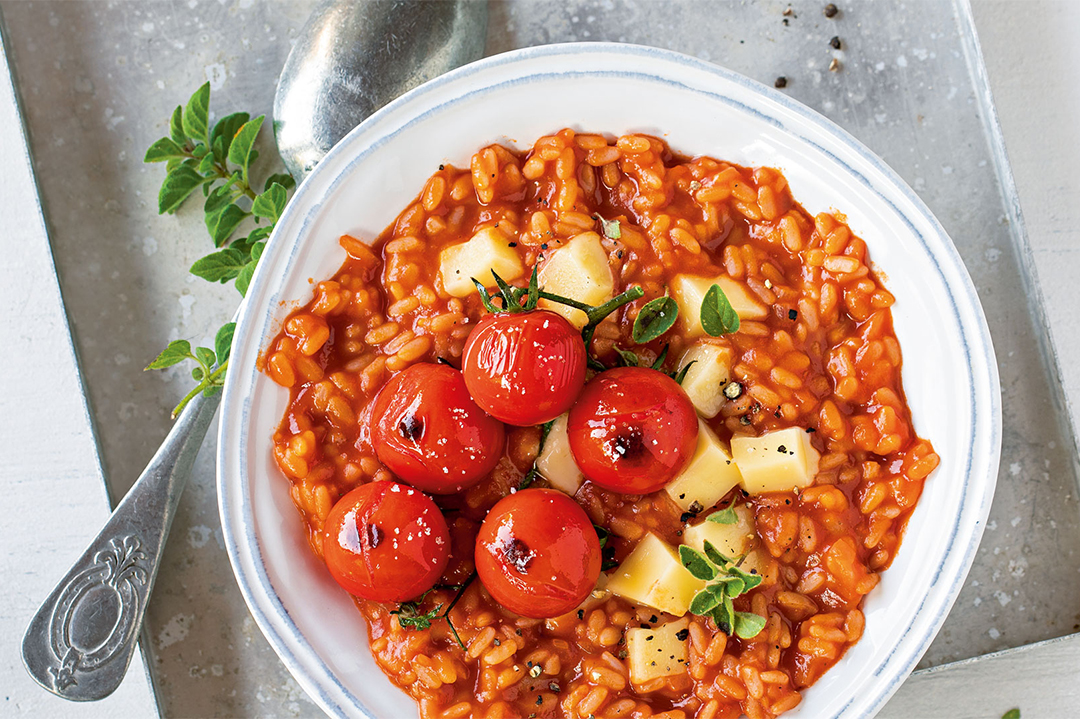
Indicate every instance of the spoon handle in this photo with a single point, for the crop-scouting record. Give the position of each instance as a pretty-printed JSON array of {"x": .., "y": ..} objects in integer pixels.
[{"x": 80, "y": 642}]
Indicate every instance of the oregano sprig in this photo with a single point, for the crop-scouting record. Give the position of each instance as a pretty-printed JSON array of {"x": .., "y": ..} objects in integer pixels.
[
  {"x": 724, "y": 582},
  {"x": 218, "y": 160},
  {"x": 409, "y": 615}
]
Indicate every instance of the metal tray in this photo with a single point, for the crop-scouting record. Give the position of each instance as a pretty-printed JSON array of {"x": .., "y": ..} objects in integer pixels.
[{"x": 98, "y": 82}]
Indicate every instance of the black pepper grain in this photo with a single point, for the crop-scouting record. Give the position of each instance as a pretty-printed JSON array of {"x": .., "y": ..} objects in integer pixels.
[
  {"x": 780, "y": 82},
  {"x": 835, "y": 43},
  {"x": 831, "y": 10}
]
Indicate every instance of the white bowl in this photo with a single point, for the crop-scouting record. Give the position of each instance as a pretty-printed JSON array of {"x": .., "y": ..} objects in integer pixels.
[{"x": 950, "y": 374}]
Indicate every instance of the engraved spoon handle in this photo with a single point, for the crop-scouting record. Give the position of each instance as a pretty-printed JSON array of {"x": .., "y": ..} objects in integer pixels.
[{"x": 81, "y": 641}]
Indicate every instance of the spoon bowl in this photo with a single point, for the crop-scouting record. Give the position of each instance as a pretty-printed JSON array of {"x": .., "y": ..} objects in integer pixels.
[{"x": 354, "y": 57}]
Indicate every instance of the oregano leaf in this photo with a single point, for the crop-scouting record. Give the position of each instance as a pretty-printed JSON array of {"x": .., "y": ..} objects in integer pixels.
[
  {"x": 226, "y": 129},
  {"x": 176, "y": 127},
  {"x": 181, "y": 181},
  {"x": 223, "y": 342},
  {"x": 655, "y": 318},
  {"x": 241, "y": 150},
  {"x": 705, "y": 601},
  {"x": 176, "y": 352},
  {"x": 628, "y": 358},
  {"x": 270, "y": 203},
  {"x": 696, "y": 563},
  {"x": 164, "y": 150},
  {"x": 715, "y": 555},
  {"x": 206, "y": 164},
  {"x": 718, "y": 317},
  {"x": 220, "y": 266},
  {"x": 196, "y": 114},
  {"x": 205, "y": 355},
  {"x": 223, "y": 222},
  {"x": 256, "y": 253},
  {"x": 748, "y": 625},
  {"x": 724, "y": 516},
  {"x": 243, "y": 280},
  {"x": 282, "y": 178}
]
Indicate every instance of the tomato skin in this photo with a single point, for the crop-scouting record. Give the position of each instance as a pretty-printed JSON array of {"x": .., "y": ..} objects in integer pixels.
[
  {"x": 428, "y": 431},
  {"x": 632, "y": 430},
  {"x": 386, "y": 542},
  {"x": 524, "y": 368},
  {"x": 537, "y": 553}
]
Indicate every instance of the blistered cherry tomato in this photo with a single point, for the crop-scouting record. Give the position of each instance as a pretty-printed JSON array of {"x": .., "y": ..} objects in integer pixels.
[
  {"x": 430, "y": 433},
  {"x": 386, "y": 541},
  {"x": 537, "y": 553},
  {"x": 632, "y": 430},
  {"x": 524, "y": 368}
]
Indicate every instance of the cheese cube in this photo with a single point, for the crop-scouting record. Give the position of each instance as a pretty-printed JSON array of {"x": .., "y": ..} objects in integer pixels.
[
  {"x": 731, "y": 540},
  {"x": 711, "y": 473},
  {"x": 578, "y": 270},
  {"x": 704, "y": 381},
  {"x": 657, "y": 652},
  {"x": 778, "y": 461},
  {"x": 690, "y": 291},
  {"x": 556, "y": 463},
  {"x": 486, "y": 251},
  {"x": 653, "y": 575}
]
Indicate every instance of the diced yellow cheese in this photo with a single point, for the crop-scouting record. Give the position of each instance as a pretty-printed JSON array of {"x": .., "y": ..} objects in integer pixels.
[
  {"x": 731, "y": 540},
  {"x": 704, "y": 381},
  {"x": 776, "y": 462},
  {"x": 556, "y": 463},
  {"x": 710, "y": 474},
  {"x": 487, "y": 250},
  {"x": 653, "y": 575},
  {"x": 690, "y": 291},
  {"x": 657, "y": 652},
  {"x": 578, "y": 270}
]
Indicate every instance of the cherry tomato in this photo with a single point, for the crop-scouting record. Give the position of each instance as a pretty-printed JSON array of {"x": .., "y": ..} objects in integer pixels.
[
  {"x": 430, "y": 433},
  {"x": 524, "y": 368},
  {"x": 386, "y": 541},
  {"x": 632, "y": 430},
  {"x": 537, "y": 553}
]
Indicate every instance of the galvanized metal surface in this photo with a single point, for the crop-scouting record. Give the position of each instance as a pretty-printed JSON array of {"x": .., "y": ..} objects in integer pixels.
[{"x": 99, "y": 80}]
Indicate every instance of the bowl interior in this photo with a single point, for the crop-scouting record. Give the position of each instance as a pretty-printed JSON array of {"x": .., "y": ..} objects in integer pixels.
[{"x": 949, "y": 370}]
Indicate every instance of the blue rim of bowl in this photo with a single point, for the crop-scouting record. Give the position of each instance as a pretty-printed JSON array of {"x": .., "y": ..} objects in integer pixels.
[{"x": 262, "y": 609}]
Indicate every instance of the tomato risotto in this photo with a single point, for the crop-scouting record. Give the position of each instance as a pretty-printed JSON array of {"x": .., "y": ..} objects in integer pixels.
[{"x": 596, "y": 430}]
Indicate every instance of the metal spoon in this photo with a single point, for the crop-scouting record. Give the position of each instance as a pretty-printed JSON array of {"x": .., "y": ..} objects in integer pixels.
[{"x": 351, "y": 58}]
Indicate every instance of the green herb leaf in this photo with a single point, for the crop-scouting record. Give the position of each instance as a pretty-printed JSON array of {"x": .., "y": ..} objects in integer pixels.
[
  {"x": 749, "y": 580},
  {"x": 243, "y": 280},
  {"x": 257, "y": 250},
  {"x": 1011, "y": 714},
  {"x": 196, "y": 113},
  {"x": 181, "y": 181},
  {"x": 748, "y": 625},
  {"x": 206, "y": 166},
  {"x": 270, "y": 204},
  {"x": 205, "y": 356},
  {"x": 715, "y": 556},
  {"x": 226, "y": 129},
  {"x": 176, "y": 352},
  {"x": 223, "y": 342},
  {"x": 705, "y": 601},
  {"x": 655, "y": 318},
  {"x": 220, "y": 266},
  {"x": 282, "y": 178},
  {"x": 260, "y": 233},
  {"x": 682, "y": 373},
  {"x": 660, "y": 359},
  {"x": 222, "y": 223},
  {"x": 696, "y": 563},
  {"x": 718, "y": 317},
  {"x": 197, "y": 373},
  {"x": 724, "y": 516},
  {"x": 241, "y": 152},
  {"x": 628, "y": 358},
  {"x": 611, "y": 229},
  {"x": 724, "y": 616},
  {"x": 164, "y": 150},
  {"x": 176, "y": 127}
]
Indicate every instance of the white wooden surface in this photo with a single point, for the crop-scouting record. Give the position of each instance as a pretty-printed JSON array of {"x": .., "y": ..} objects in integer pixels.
[{"x": 55, "y": 497}]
